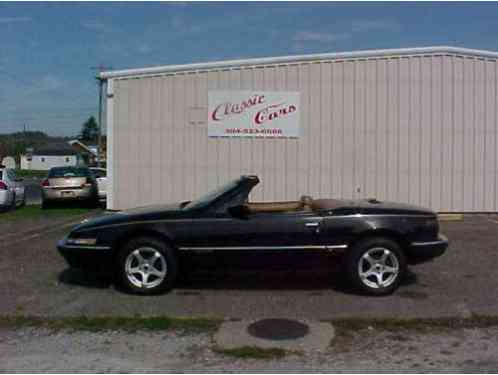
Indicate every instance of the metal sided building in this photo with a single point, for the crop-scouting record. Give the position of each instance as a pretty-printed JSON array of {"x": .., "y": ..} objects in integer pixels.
[{"x": 412, "y": 125}]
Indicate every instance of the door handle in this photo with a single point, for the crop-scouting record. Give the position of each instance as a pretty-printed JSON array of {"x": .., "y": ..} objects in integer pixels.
[{"x": 312, "y": 225}]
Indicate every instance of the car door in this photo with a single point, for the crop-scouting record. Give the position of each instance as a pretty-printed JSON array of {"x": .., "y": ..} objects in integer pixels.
[{"x": 265, "y": 231}]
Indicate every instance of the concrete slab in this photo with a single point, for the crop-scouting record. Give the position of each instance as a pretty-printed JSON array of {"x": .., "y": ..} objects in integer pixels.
[{"x": 232, "y": 335}]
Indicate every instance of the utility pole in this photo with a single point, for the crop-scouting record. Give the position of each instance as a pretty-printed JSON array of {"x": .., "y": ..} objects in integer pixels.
[{"x": 100, "y": 68}]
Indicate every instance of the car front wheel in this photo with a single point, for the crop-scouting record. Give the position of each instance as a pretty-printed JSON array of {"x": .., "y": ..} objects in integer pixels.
[
  {"x": 376, "y": 266},
  {"x": 147, "y": 266}
]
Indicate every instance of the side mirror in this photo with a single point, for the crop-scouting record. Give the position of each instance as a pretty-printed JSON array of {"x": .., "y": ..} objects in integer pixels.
[{"x": 240, "y": 211}]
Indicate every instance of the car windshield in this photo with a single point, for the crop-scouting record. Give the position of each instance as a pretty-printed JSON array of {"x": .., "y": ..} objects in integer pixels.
[
  {"x": 69, "y": 172},
  {"x": 211, "y": 196}
]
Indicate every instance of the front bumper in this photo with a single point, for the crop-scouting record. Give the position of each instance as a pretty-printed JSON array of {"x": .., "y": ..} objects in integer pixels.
[
  {"x": 420, "y": 251},
  {"x": 94, "y": 258}
]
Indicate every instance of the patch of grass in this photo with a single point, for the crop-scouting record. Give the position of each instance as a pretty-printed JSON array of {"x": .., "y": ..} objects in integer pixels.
[
  {"x": 422, "y": 325},
  {"x": 35, "y": 211},
  {"x": 27, "y": 173},
  {"x": 84, "y": 323},
  {"x": 254, "y": 352}
]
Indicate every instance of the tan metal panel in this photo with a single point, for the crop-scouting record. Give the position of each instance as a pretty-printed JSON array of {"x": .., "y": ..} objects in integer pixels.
[
  {"x": 479, "y": 136},
  {"x": 337, "y": 131},
  {"x": 489, "y": 200},
  {"x": 293, "y": 155},
  {"x": 315, "y": 131},
  {"x": 371, "y": 130},
  {"x": 404, "y": 129},
  {"x": 326, "y": 166},
  {"x": 458, "y": 143},
  {"x": 468, "y": 134},
  {"x": 392, "y": 132},
  {"x": 213, "y": 143},
  {"x": 303, "y": 162},
  {"x": 348, "y": 163},
  {"x": 279, "y": 189},
  {"x": 382, "y": 172},
  {"x": 426, "y": 127},
  {"x": 436, "y": 140},
  {"x": 448, "y": 133}
]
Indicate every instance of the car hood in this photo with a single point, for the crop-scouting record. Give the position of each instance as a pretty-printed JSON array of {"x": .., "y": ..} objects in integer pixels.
[{"x": 156, "y": 212}]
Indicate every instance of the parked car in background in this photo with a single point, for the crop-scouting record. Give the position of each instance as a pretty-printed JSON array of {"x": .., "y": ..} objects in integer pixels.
[
  {"x": 11, "y": 189},
  {"x": 101, "y": 177},
  {"x": 373, "y": 240},
  {"x": 69, "y": 184}
]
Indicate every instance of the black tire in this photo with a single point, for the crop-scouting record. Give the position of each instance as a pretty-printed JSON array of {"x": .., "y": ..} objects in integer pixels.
[
  {"x": 168, "y": 255},
  {"x": 45, "y": 205},
  {"x": 364, "y": 284},
  {"x": 13, "y": 204}
]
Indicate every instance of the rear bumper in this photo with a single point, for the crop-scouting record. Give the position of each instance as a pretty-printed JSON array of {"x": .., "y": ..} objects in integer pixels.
[
  {"x": 5, "y": 198},
  {"x": 421, "y": 251},
  {"x": 68, "y": 194},
  {"x": 93, "y": 258}
]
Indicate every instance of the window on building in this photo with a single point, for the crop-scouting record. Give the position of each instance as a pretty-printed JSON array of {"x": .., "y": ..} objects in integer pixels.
[{"x": 67, "y": 160}]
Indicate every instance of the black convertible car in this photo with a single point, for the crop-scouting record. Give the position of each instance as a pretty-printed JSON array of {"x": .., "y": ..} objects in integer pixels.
[{"x": 374, "y": 240}]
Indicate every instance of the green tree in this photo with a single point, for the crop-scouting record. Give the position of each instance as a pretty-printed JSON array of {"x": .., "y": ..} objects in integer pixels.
[{"x": 89, "y": 130}]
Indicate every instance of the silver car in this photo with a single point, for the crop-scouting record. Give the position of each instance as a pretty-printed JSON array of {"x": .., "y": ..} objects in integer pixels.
[
  {"x": 69, "y": 184},
  {"x": 11, "y": 189},
  {"x": 101, "y": 177}
]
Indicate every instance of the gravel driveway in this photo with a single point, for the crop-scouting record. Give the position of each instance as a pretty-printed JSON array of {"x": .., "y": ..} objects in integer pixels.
[{"x": 367, "y": 350}]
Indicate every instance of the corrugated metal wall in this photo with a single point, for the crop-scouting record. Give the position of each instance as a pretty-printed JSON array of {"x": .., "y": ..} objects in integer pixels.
[{"x": 417, "y": 129}]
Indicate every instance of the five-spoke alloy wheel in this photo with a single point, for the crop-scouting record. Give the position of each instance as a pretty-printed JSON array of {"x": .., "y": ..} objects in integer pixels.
[
  {"x": 376, "y": 265},
  {"x": 147, "y": 266}
]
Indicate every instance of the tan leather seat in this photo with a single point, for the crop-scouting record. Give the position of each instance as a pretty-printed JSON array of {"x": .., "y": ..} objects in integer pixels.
[
  {"x": 325, "y": 204},
  {"x": 261, "y": 207}
]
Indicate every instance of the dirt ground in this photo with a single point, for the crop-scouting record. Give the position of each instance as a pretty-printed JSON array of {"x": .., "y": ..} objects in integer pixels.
[{"x": 367, "y": 350}]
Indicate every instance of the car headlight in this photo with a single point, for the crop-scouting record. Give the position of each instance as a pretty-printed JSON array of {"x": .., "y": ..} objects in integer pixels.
[{"x": 81, "y": 241}]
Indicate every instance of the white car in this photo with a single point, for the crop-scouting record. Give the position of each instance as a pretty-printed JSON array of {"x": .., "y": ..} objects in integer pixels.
[
  {"x": 11, "y": 189},
  {"x": 101, "y": 177}
]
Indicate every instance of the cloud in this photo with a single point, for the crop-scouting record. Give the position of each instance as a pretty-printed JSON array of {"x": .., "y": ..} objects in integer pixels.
[
  {"x": 312, "y": 36},
  {"x": 50, "y": 82},
  {"x": 181, "y": 25},
  {"x": 6, "y": 20},
  {"x": 303, "y": 39},
  {"x": 98, "y": 26},
  {"x": 359, "y": 26},
  {"x": 144, "y": 48}
]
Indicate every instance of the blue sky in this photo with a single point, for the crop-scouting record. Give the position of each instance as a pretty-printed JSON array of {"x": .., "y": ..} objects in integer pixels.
[{"x": 47, "y": 50}]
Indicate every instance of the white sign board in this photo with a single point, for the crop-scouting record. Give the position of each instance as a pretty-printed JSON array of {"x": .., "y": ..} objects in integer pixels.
[{"x": 253, "y": 114}]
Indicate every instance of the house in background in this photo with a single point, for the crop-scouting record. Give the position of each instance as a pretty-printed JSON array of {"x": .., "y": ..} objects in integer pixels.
[
  {"x": 88, "y": 152},
  {"x": 9, "y": 162},
  {"x": 44, "y": 157}
]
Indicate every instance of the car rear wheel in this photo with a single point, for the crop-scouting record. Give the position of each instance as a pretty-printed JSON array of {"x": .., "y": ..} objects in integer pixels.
[
  {"x": 376, "y": 266},
  {"x": 147, "y": 266}
]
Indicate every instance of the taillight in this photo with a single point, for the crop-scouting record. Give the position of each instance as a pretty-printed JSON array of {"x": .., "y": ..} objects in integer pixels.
[
  {"x": 3, "y": 186},
  {"x": 45, "y": 182}
]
